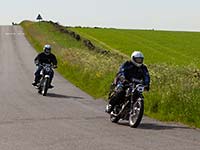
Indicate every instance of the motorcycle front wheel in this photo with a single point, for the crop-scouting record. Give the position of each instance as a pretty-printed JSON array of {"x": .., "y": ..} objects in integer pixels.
[
  {"x": 45, "y": 86},
  {"x": 137, "y": 113}
]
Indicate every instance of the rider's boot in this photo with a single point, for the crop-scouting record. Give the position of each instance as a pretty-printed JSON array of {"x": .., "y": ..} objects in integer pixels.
[
  {"x": 109, "y": 108},
  {"x": 36, "y": 81}
]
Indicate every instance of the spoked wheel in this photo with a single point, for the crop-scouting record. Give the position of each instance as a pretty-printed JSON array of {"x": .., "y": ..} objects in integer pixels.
[
  {"x": 137, "y": 113},
  {"x": 45, "y": 86},
  {"x": 40, "y": 88}
]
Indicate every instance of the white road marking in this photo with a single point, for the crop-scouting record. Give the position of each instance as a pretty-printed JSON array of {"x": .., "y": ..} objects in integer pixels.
[{"x": 13, "y": 33}]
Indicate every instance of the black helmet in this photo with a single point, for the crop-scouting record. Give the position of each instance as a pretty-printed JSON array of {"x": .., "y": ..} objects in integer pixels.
[{"x": 47, "y": 49}]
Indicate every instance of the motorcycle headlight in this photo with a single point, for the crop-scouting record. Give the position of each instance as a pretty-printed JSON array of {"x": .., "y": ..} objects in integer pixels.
[
  {"x": 47, "y": 69},
  {"x": 140, "y": 89}
]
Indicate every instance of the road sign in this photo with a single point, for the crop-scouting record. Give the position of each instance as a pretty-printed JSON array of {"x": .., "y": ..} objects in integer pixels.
[{"x": 39, "y": 17}]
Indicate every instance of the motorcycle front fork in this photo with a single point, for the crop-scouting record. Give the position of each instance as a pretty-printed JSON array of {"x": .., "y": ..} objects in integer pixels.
[{"x": 133, "y": 100}]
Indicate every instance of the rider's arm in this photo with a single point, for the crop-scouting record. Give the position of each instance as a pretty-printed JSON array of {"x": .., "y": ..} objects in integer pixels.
[
  {"x": 146, "y": 77},
  {"x": 122, "y": 69},
  {"x": 121, "y": 75},
  {"x": 54, "y": 61},
  {"x": 36, "y": 60}
]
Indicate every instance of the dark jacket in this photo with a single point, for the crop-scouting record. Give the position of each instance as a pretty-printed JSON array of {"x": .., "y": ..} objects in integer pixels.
[
  {"x": 129, "y": 70},
  {"x": 47, "y": 59}
]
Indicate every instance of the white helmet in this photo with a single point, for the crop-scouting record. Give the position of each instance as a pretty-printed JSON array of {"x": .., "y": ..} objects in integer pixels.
[
  {"x": 137, "y": 58},
  {"x": 47, "y": 49}
]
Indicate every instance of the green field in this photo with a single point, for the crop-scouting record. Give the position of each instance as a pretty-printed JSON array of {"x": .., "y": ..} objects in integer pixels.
[
  {"x": 172, "y": 59},
  {"x": 178, "y": 48}
]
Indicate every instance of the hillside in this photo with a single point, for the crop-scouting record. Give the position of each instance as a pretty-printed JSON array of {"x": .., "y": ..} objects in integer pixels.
[{"x": 175, "y": 75}]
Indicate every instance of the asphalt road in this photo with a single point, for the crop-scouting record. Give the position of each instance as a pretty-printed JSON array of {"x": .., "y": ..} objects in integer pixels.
[{"x": 67, "y": 118}]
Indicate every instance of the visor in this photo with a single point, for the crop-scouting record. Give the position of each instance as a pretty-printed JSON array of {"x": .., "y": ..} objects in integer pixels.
[{"x": 139, "y": 60}]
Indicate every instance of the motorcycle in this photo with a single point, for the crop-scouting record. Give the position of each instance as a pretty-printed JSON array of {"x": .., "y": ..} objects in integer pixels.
[
  {"x": 44, "y": 83},
  {"x": 132, "y": 106}
]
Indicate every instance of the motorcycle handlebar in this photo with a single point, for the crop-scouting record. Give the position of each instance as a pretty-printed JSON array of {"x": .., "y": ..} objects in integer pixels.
[{"x": 43, "y": 64}]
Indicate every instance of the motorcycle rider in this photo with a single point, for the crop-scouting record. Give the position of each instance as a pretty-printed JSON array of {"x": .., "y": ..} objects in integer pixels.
[
  {"x": 128, "y": 70},
  {"x": 44, "y": 57}
]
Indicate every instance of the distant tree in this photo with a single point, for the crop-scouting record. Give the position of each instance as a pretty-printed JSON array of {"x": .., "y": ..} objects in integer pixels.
[{"x": 39, "y": 17}]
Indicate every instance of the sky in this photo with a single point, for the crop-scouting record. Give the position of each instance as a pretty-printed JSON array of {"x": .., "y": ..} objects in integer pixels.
[{"x": 181, "y": 15}]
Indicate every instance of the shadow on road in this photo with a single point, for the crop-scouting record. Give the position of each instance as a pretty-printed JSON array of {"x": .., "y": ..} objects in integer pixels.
[
  {"x": 155, "y": 126},
  {"x": 54, "y": 95}
]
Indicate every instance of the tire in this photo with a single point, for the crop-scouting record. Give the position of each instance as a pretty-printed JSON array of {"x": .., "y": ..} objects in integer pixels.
[
  {"x": 40, "y": 91},
  {"x": 138, "y": 110},
  {"x": 40, "y": 87},
  {"x": 45, "y": 86}
]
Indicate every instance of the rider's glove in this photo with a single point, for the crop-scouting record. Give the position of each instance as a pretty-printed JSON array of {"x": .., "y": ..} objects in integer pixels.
[
  {"x": 55, "y": 66},
  {"x": 36, "y": 62},
  {"x": 122, "y": 78}
]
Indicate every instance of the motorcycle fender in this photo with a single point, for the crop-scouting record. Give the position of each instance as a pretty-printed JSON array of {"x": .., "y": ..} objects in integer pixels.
[{"x": 47, "y": 76}]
